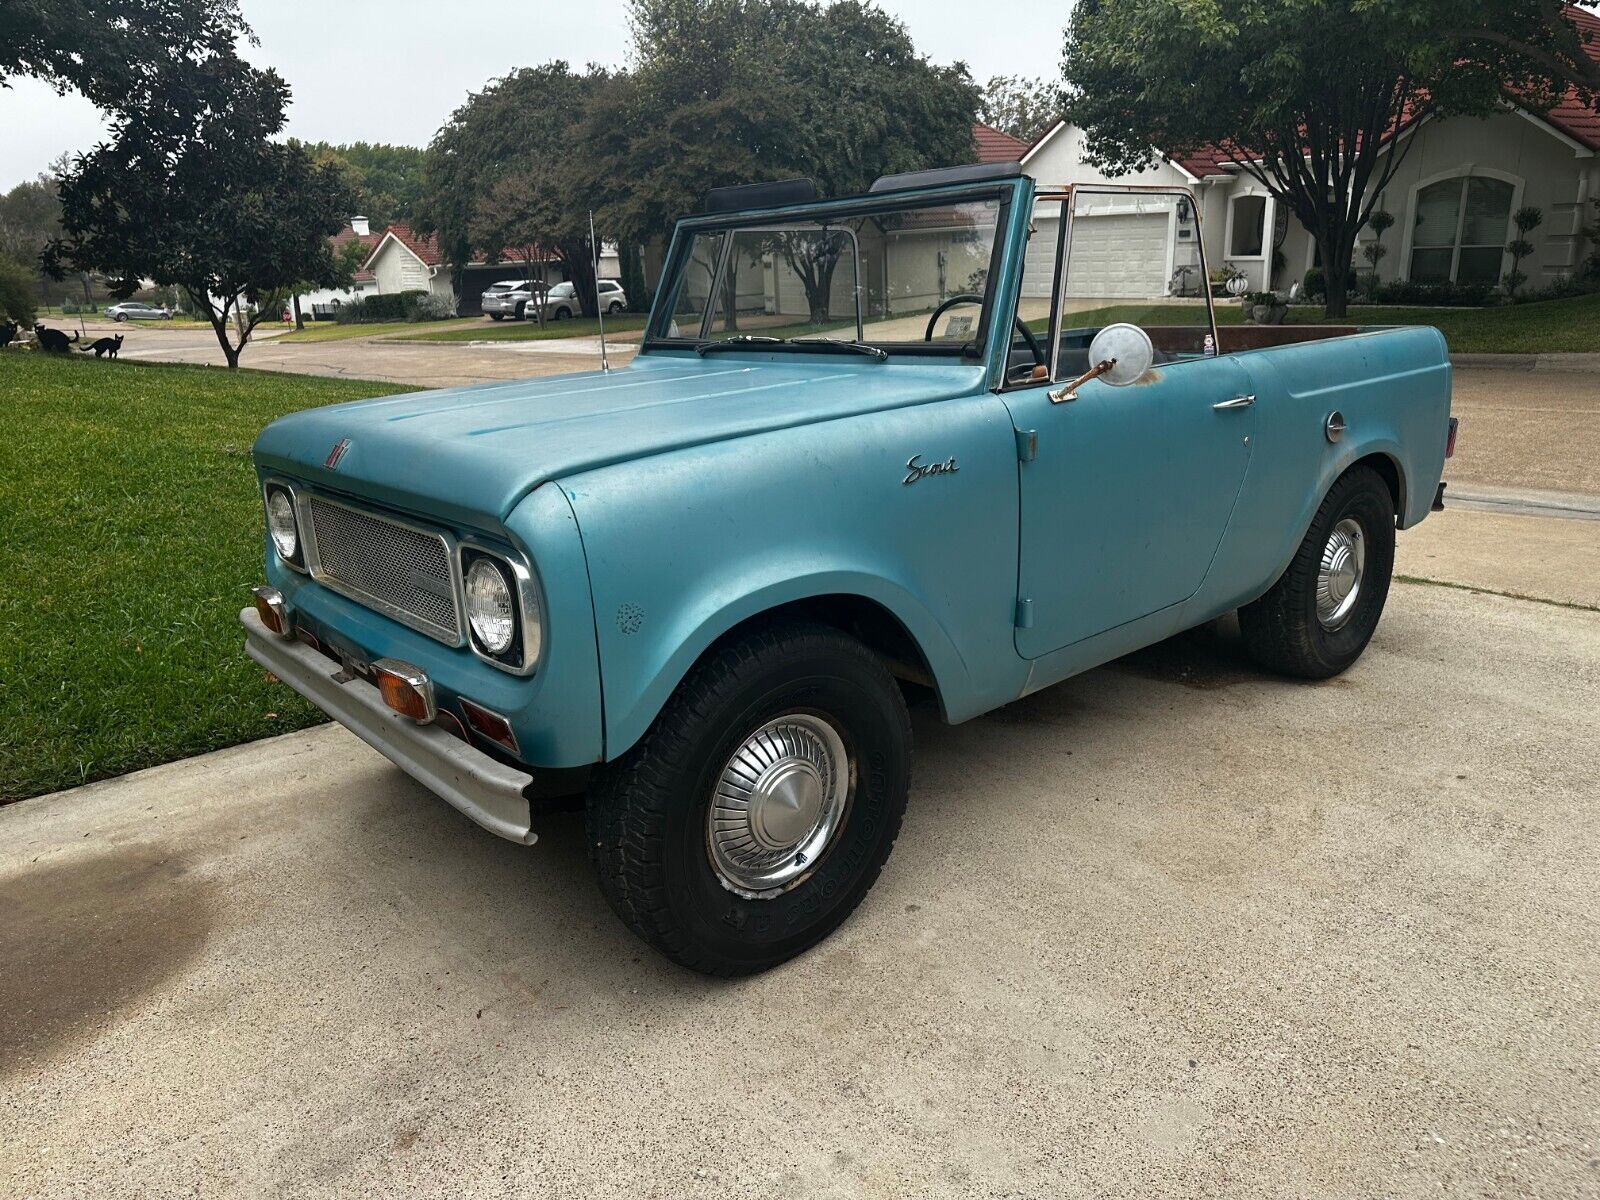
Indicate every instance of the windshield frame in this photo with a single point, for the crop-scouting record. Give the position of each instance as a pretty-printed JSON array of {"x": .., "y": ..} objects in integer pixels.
[{"x": 974, "y": 349}]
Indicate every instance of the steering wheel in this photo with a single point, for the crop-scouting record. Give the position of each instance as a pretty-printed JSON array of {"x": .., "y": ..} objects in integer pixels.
[{"x": 1039, "y": 359}]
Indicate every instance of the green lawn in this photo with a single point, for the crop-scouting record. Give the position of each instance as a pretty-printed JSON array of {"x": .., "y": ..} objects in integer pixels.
[
  {"x": 1543, "y": 327},
  {"x": 482, "y": 330},
  {"x": 132, "y": 534}
]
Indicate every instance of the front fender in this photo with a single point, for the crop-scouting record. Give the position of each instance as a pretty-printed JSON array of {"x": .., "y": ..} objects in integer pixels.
[{"x": 685, "y": 546}]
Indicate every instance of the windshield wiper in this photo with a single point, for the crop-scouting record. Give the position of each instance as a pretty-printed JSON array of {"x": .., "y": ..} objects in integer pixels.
[
  {"x": 836, "y": 343},
  {"x": 733, "y": 343}
]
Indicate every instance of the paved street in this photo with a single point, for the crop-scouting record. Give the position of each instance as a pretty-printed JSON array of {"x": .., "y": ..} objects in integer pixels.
[{"x": 418, "y": 364}]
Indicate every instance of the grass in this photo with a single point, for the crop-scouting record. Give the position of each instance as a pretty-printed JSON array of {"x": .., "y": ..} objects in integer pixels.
[
  {"x": 1543, "y": 327},
  {"x": 529, "y": 331},
  {"x": 132, "y": 533}
]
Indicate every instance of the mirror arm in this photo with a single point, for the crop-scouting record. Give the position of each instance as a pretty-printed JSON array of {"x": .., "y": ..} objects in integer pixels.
[{"x": 1069, "y": 393}]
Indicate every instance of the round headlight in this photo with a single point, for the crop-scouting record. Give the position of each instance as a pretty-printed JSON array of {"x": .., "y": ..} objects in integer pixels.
[
  {"x": 280, "y": 522},
  {"x": 490, "y": 608}
]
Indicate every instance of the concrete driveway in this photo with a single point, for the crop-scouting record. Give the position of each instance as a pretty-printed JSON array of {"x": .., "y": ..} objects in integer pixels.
[{"x": 1171, "y": 929}]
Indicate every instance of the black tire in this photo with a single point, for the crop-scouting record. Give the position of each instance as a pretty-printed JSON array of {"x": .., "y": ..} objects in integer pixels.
[
  {"x": 1282, "y": 630},
  {"x": 647, "y": 812},
  {"x": 522, "y": 309},
  {"x": 497, "y": 316},
  {"x": 563, "y": 313},
  {"x": 614, "y": 308},
  {"x": 121, "y": 317}
]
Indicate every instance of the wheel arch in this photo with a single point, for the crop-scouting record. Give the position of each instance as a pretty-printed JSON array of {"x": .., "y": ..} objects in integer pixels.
[{"x": 888, "y": 620}]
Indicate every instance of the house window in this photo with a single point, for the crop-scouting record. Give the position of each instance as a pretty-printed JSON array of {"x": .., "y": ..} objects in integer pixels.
[
  {"x": 1460, "y": 231},
  {"x": 1249, "y": 228}
]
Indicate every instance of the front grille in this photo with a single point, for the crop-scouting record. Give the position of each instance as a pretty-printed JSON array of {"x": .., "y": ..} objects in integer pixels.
[{"x": 400, "y": 571}]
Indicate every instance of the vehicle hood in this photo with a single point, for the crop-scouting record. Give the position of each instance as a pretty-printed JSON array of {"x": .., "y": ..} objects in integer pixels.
[{"x": 472, "y": 453}]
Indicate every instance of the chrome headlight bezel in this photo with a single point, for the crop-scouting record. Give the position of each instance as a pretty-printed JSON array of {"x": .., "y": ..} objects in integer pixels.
[
  {"x": 521, "y": 657},
  {"x": 297, "y": 559}
]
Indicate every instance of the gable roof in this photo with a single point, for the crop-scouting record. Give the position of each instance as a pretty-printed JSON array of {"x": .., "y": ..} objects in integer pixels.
[{"x": 996, "y": 145}]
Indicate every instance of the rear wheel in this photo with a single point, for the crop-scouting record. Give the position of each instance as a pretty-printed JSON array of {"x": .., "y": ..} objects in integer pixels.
[
  {"x": 615, "y": 307},
  {"x": 497, "y": 316},
  {"x": 1318, "y": 618},
  {"x": 755, "y": 814}
]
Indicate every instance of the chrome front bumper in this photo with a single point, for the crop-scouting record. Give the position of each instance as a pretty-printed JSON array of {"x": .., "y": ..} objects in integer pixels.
[{"x": 484, "y": 788}]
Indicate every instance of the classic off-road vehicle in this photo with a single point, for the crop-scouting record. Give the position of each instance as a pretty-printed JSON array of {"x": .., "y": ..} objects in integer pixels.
[{"x": 952, "y": 438}]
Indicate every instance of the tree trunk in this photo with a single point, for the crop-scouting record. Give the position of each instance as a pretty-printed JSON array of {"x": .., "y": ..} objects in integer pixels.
[
  {"x": 580, "y": 270},
  {"x": 730, "y": 296},
  {"x": 299, "y": 320}
]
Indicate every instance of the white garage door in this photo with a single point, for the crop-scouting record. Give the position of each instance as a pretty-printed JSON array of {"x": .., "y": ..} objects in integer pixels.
[{"x": 1118, "y": 255}]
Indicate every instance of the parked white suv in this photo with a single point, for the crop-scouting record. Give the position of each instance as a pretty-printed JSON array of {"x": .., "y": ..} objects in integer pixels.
[
  {"x": 508, "y": 298},
  {"x": 562, "y": 302}
]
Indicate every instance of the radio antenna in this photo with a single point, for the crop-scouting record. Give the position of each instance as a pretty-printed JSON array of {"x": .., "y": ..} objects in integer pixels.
[{"x": 599, "y": 306}]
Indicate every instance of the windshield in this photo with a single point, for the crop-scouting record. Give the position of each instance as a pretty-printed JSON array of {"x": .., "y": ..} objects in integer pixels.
[{"x": 889, "y": 277}]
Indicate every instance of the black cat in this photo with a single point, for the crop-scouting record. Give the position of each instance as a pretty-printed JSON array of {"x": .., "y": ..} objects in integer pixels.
[
  {"x": 8, "y": 333},
  {"x": 106, "y": 345},
  {"x": 52, "y": 341}
]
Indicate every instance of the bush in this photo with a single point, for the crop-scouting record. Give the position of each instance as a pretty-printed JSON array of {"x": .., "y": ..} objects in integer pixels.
[
  {"x": 1441, "y": 295},
  {"x": 17, "y": 301},
  {"x": 431, "y": 307},
  {"x": 389, "y": 306},
  {"x": 1316, "y": 284}
]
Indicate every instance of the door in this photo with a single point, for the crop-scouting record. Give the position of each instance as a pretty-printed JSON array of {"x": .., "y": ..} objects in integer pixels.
[{"x": 1127, "y": 497}]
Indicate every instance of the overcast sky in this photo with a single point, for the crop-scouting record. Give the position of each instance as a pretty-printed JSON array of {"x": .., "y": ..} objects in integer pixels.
[{"x": 393, "y": 70}]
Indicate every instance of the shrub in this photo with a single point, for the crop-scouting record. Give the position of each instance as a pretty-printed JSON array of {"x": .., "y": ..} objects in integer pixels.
[
  {"x": 431, "y": 307},
  {"x": 17, "y": 293},
  {"x": 1443, "y": 295},
  {"x": 389, "y": 306},
  {"x": 1316, "y": 283}
]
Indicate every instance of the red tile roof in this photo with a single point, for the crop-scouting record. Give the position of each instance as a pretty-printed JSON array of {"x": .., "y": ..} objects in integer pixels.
[
  {"x": 368, "y": 240},
  {"x": 995, "y": 145},
  {"x": 1579, "y": 121}
]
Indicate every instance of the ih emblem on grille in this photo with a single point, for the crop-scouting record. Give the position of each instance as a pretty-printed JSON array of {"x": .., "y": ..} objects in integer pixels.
[{"x": 337, "y": 453}]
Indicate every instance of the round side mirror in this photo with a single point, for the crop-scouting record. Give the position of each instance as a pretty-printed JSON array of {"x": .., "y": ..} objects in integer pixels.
[{"x": 1132, "y": 349}]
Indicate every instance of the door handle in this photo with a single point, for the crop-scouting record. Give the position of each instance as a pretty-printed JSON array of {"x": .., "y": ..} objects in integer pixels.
[{"x": 1236, "y": 402}]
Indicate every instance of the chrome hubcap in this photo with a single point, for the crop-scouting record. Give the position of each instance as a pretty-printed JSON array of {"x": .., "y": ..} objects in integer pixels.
[
  {"x": 778, "y": 804},
  {"x": 1344, "y": 559}
]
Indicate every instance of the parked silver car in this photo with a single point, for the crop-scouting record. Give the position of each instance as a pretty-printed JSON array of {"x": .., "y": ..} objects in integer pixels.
[
  {"x": 562, "y": 301},
  {"x": 138, "y": 310},
  {"x": 508, "y": 298}
]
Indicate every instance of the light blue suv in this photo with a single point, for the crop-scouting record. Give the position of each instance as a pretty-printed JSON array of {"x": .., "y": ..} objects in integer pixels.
[{"x": 948, "y": 441}]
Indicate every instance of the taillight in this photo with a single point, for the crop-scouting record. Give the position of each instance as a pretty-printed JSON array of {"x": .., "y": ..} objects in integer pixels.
[{"x": 1450, "y": 442}]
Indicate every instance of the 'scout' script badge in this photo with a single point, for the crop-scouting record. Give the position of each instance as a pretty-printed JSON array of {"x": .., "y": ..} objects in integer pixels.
[{"x": 917, "y": 469}]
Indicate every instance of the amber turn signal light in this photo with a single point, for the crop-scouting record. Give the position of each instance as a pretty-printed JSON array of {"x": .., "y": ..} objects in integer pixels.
[
  {"x": 406, "y": 689},
  {"x": 273, "y": 609}
]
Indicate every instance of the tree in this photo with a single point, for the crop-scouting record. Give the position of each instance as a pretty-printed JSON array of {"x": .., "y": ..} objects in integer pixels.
[
  {"x": 1307, "y": 96},
  {"x": 386, "y": 179},
  {"x": 739, "y": 91},
  {"x": 1526, "y": 220},
  {"x": 501, "y": 177},
  {"x": 111, "y": 50},
  {"x": 1025, "y": 108},
  {"x": 192, "y": 192},
  {"x": 17, "y": 290}
]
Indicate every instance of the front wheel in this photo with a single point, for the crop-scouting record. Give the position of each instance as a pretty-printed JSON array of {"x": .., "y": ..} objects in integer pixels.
[
  {"x": 497, "y": 316},
  {"x": 755, "y": 814},
  {"x": 614, "y": 308},
  {"x": 563, "y": 314},
  {"x": 121, "y": 317},
  {"x": 1318, "y": 618}
]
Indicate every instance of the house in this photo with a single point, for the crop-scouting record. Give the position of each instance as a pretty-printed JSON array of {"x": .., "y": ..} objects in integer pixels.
[
  {"x": 323, "y": 301},
  {"x": 1452, "y": 199}
]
